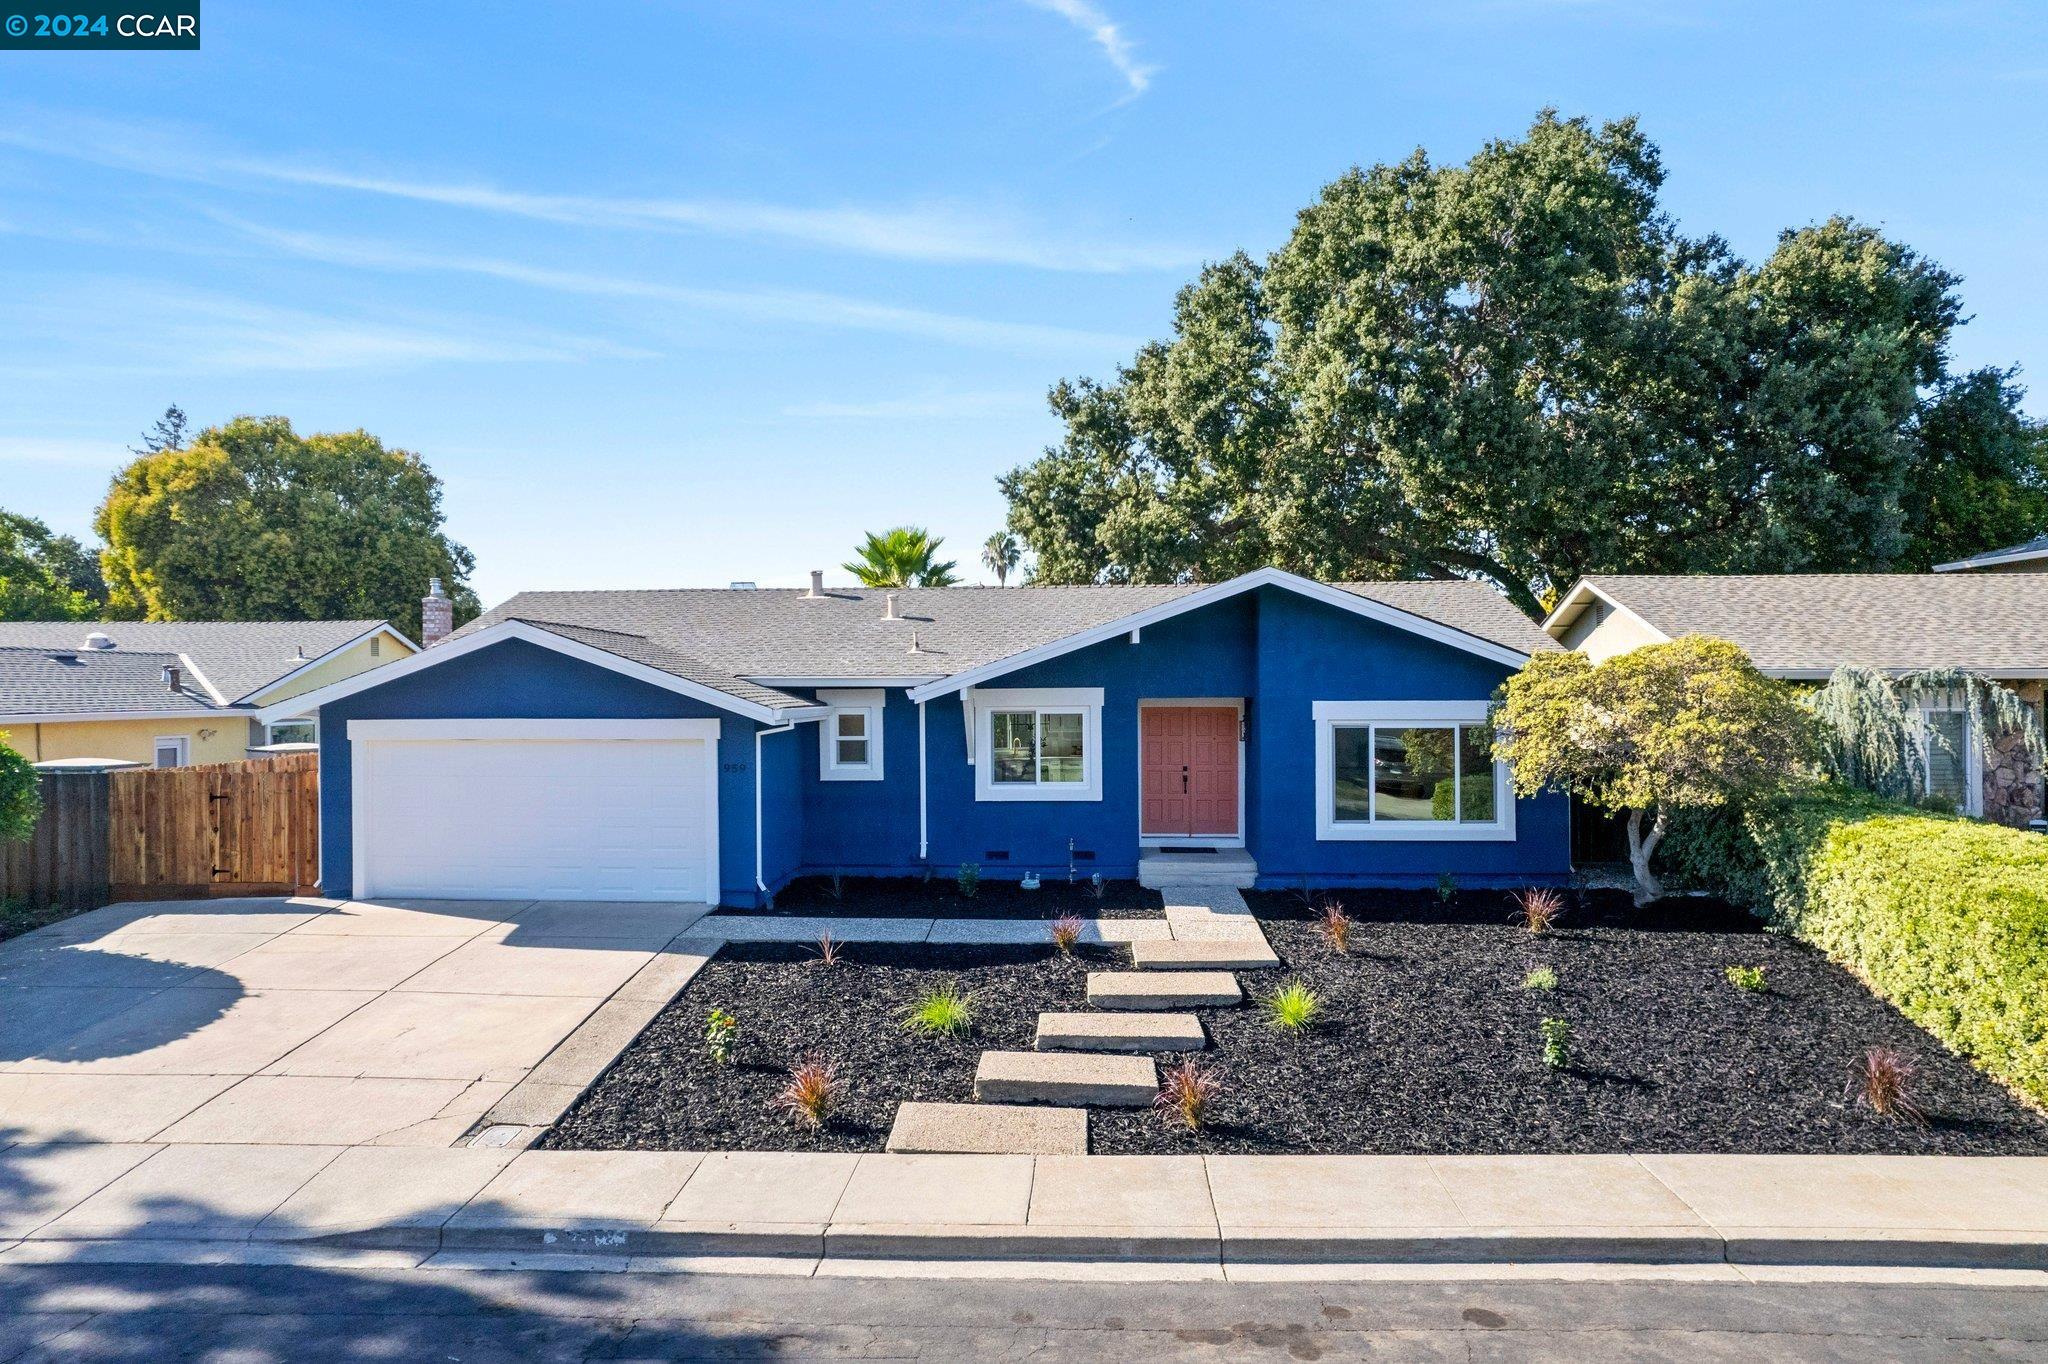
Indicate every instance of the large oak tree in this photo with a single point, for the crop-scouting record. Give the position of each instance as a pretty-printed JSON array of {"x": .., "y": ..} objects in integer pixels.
[
  {"x": 1519, "y": 369},
  {"x": 252, "y": 521}
]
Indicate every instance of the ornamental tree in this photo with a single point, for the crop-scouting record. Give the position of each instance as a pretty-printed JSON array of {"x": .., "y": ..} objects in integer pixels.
[
  {"x": 21, "y": 804},
  {"x": 1690, "y": 723},
  {"x": 252, "y": 521}
]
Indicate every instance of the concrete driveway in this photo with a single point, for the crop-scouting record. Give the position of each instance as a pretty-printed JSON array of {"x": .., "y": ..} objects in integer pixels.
[{"x": 301, "y": 1020}]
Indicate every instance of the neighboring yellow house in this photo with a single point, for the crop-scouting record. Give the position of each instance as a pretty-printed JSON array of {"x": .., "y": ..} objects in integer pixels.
[{"x": 172, "y": 693}]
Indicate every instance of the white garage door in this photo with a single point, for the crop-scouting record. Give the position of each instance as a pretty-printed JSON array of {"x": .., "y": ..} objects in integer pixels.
[{"x": 496, "y": 810}]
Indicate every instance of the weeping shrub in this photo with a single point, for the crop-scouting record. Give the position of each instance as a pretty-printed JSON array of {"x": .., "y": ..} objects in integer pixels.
[{"x": 1869, "y": 724}]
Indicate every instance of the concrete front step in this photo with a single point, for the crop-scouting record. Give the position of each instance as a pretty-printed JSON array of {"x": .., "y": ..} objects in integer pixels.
[
  {"x": 1248, "y": 953},
  {"x": 988, "y": 1130},
  {"x": 1232, "y": 869},
  {"x": 1054, "y": 1077},
  {"x": 1120, "y": 1032},
  {"x": 1162, "y": 989}
]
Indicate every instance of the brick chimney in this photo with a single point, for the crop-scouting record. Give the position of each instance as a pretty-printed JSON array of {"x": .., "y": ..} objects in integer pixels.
[{"x": 437, "y": 615}]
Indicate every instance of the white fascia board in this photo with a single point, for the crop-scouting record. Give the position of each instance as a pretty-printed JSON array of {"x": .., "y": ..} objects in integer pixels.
[
  {"x": 80, "y": 717},
  {"x": 212, "y": 691},
  {"x": 2012, "y": 556},
  {"x": 809, "y": 682},
  {"x": 307, "y": 702},
  {"x": 381, "y": 628},
  {"x": 1823, "y": 674},
  {"x": 1207, "y": 596},
  {"x": 1582, "y": 590}
]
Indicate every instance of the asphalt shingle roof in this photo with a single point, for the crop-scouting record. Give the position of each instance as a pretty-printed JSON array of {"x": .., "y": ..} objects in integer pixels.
[
  {"x": 640, "y": 649},
  {"x": 778, "y": 633},
  {"x": 52, "y": 682},
  {"x": 1994, "y": 623},
  {"x": 237, "y": 656}
]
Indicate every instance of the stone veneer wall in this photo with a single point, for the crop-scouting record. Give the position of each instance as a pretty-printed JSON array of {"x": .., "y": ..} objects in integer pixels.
[{"x": 2012, "y": 780}]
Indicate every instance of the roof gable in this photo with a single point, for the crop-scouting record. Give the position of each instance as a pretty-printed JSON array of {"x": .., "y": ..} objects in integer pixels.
[
  {"x": 237, "y": 658},
  {"x": 1808, "y": 624}
]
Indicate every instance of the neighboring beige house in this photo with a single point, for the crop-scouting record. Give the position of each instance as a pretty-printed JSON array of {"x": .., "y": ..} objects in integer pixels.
[
  {"x": 2031, "y": 557},
  {"x": 171, "y": 693},
  {"x": 1803, "y": 626}
]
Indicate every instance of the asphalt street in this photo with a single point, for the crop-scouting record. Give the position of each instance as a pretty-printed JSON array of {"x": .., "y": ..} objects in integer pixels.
[{"x": 248, "y": 1313}]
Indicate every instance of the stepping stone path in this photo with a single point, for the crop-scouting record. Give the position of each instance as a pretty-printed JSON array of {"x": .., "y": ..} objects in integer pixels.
[{"x": 1030, "y": 1102}]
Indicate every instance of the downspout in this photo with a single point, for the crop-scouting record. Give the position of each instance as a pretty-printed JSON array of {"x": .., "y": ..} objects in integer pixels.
[
  {"x": 924, "y": 846},
  {"x": 760, "y": 877}
]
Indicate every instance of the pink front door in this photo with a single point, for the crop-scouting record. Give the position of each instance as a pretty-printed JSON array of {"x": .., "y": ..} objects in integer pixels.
[{"x": 1188, "y": 761}]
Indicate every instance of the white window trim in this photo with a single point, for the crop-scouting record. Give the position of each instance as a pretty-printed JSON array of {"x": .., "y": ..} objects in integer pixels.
[
  {"x": 177, "y": 741},
  {"x": 1973, "y": 760},
  {"x": 870, "y": 702},
  {"x": 270, "y": 730},
  {"x": 1329, "y": 715},
  {"x": 1086, "y": 700}
]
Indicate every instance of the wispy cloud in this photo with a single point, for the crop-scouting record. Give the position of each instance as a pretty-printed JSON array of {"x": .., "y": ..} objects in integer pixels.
[
  {"x": 801, "y": 307},
  {"x": 78, "y": 453},
  {"x": 929, "y": 407},
  {"x": 125, "y": 326},
  {"x": 939, "y": 231},
  {"x": 1105, "y": 34}
]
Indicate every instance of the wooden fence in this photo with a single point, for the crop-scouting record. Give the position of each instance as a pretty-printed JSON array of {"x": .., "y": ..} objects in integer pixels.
[
  {"x": 64, "y": 862},
  {"x": 248, "y": 828}
]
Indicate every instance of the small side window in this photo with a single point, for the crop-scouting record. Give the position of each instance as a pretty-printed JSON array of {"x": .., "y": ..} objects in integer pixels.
[{"x": 850, "y": 736}]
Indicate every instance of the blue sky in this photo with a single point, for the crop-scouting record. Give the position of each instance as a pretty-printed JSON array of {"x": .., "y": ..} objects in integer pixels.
[{"x": 672, "y": 293}]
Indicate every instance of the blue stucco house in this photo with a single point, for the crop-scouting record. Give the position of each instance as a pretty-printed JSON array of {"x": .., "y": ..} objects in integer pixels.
[{"x": 712, "y": 745}]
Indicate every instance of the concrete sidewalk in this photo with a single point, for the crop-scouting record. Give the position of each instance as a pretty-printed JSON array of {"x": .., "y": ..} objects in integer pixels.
[{"x": 1135, "y": 1216}]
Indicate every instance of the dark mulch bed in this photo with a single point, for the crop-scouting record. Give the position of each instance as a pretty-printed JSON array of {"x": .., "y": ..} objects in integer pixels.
[
  {"x": 20, "y": 916},
  {"x": 1430, "y": 1043},
  {"x": 910, "y": 897},
  {"x": 665, "y": 1094}
]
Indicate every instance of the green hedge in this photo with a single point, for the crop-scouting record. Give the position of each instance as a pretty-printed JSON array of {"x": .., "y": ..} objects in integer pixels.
[{"x": 1947, "y": 918}]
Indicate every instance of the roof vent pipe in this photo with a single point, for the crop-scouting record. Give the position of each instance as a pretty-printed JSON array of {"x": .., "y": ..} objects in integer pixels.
[
  {"x": 173, "y": 678},
  {"x": 817, "y": 592},
  {"x": 889, "y": 607}
]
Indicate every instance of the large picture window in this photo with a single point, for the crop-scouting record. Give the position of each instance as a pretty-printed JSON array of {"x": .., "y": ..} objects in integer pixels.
[
  {"x": 1408, "y": 770},
  {"x": 1038, "y": 744}
]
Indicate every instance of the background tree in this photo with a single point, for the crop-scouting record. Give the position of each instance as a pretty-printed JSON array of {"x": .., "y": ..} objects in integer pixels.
[
  {"x": 45, "y": 576},
  {"x": 1690, "y": 723},
  {"x": 1518, "y": 369},
  {"x": 251, "y": 521},
  {"x": 168, "y": 433},
  {"x": 903, "y": 557},
  {"x": 1981, "y": 481},
  {"x": 1000, "y": 555},
  {"x": 21, "y": 804}
]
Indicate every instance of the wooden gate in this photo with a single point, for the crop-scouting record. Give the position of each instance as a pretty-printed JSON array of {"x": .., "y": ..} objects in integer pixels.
[{"x": 248, "y": 828}]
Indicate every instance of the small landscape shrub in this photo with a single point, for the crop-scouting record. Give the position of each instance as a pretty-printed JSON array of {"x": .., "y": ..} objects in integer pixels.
[
  {"x": 1542, "y": 978},
  {"x": 813, "y": 1091},
  {"x": 1884, "y": 1080},
  {"x": 1749, "y": 979},
  {"x": 1557, "y": 1043},
  {"x": 1947, "y": 918},
  {"x": 721, "y": 1036},
  {"x": 1336, "y": 927},
  {"x": 968, "y": 878},
  {"x": 835, "y": 886},
  {"x": 1446, "y": 887},
  {"x": 1186, "y": 1094},
  {"x": 1294, "y": 1007},
  {"x": 945, "y": 1010},
  {"x": 828, "y": 949},
  {"x": 1097, "y": 886},
  {"x": 1538, "y": 910},
  {"x": 1066, "y": 931}
]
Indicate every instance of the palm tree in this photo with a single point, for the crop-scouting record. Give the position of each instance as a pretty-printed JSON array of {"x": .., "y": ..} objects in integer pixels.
[
  {"x": 906, "y": 556},
  {"x": 1001, "y": 553}
]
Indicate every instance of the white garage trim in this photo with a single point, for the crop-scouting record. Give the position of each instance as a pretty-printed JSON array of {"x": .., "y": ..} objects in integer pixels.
[
  {"x": 305, "y": 703},
  {"x": 364, "y": 735}
]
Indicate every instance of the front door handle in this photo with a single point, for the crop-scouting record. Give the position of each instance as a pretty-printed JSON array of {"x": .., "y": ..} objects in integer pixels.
[{"x": 1183, "y": 780}]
